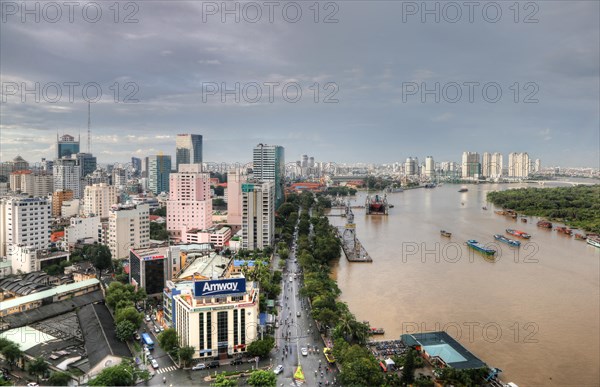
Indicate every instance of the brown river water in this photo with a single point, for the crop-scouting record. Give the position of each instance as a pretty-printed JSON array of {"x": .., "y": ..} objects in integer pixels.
[{"x": 534, "y": 312}]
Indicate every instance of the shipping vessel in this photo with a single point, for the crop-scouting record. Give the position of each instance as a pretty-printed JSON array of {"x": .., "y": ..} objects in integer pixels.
[
  {"x": 376, "y": 205},
  {"x": 445, "y": 233},
  {"x": 472, "y": 243},
  {"x": 544, "y": 224},
  {"x": 594, "y": 241},
  {"x": 518, "y": 233},
  {"x": 564, "y": 230},
  {"x": 463, "y": 189},
  {"x": 504, "y": 239}
]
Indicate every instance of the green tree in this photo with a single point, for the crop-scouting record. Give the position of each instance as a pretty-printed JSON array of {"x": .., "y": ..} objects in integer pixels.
[
  {"x": 37, "y": 367},
  {"x": 222, "y": 381},
  {"x": 186, "y": 354},
  {"x": 119, "y": 375},
  {"x": 125, "y": 330},
  {"x": 261, "y": 348},
  {"x": 168, "y": 340},
  {"x": 4, "y": 342},
  {"x": 408, "y": 373},
  {"x": 4, "y": 382},
  {"x": 11, "y": 353},
  {"x": 129, "y": 313},
  {"x": 100, "y": 257},
  {"x": 59, "y": 379},
  {"x": 262, "y": 379}
]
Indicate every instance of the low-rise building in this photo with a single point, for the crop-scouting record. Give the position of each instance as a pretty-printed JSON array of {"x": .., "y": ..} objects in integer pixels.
[
  {"x": 25, "y": 259},
  {"x": 217, "y": 236}
]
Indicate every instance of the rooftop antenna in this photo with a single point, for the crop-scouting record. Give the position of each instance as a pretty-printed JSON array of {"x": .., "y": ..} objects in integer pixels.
[{"x": 89, "y": 137}]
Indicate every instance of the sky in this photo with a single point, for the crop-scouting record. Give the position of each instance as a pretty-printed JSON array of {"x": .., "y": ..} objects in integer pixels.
[{"x": 345, "y": 81}]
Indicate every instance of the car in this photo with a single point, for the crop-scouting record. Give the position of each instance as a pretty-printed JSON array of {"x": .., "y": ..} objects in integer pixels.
[
  {"x": 297, "y": 314},
  {"x": 278, "y": 369},
  {"x": 156, "y": 329},
  {"x": 161, "y": 328},
  {"x": 304, "y": 352},
  {"x": 32, "y": 384},
  {"x": 198, "y": 367},
  {"x": 154, "y": 364},
  {"x": 149, "y": 357},
  {"x": 148, "y": 318},
  {"x": 291, "y": 279},
  {"x": 236, "y": 361},
  {"x": 213, "y": 364}
]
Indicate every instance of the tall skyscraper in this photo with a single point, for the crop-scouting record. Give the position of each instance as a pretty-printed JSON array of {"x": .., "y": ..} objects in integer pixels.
[
  {"x": 496, "y": 165},
  {"x": 429, "y": 167},
  {"x": 98, "y": 199},
  {"x": 87, "y": 162},
  {"x": 188, "y": 149},
  {"x": 66, "y": 146},
  {"x": 67, "y": 176},
  {"x": 189, "y": 205},
  {"x": 518, "y": 165},
  {"x": 411, "y": 166},
  {"x": 258, "y": 215},
  {"x": 471, "y": 166},
  {"x": 159, "y": 169},
  {"x": 136, "y": 164},
  {"x": 269, "y": 165}
]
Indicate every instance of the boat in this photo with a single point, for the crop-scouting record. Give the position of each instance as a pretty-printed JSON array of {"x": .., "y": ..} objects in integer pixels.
[
  {"x": 377, "y": 331},
  {"x": 500, "y": 212},
  {"x": 445, "y": 233},
  {"x": 564, "y": 230},
  {"x": 581, "y": 237},
  {"x": 376, "y": 205},
  {"x": 472, "y": 243},
  {"x": 544, "y": 224},
  {"x": 594, "y": 241},
  {"x": 504, "y": 239},
  {"x": 484, "y": 208},
  {"x": 524, "y": 220},
  {"x": 518, "y": 233},
  {"x": 394, "y": 190},
  {"x": 463, "y": 189},
  {"x": 430, "y": 185}
]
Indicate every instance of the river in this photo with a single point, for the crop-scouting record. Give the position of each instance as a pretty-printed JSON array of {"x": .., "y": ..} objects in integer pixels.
[{"x": 533, "y": 313}]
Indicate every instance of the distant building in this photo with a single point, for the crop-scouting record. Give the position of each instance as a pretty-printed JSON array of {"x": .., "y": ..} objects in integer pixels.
[
  {"x": 26, "y": 259},
  {"x": 67, "y": 176},
  {"x": 159, "y": 169},
  {"x": 24, "y": 221},
  {"x": 87, "y": 162},
  {"x": 81, "y": 229},
  {"x": 411, "y": 166},
  {"x": 471, "y": 165},
  {"x": 66, "y": 146},
  {"x": 537, "y": 166},
  {"x": 188, "y": 149},
  {"x": 128, "y": 228},
  {"x": 136, "y": 164},
  {"x": 58, "y": 197},
  {"x": 235, "y": 179},
  {"x": 429, "y": 167},
  {"x": 258, "y": 215},
  {"x": 150, "y": 268},
  {"x": 38, "y": 183},
  {"x": 518, "y": 165},
  {"x": 98, "y": 199},
  {"x": 269, "y": 165}
]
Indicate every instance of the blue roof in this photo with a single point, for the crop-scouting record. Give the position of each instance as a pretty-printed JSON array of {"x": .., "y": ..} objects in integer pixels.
[
  {"x": 441, "y": 344},
  {"x": 240, "y": 262}
]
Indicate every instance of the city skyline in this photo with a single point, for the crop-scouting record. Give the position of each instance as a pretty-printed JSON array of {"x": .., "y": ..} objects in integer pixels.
[{"x": 170, "y": 69}]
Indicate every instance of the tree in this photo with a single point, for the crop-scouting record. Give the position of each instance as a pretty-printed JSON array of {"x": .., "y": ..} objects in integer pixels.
[
  {"x": 59, "y": 379},
  {"x": 4, "y": 342},
  {"x": 129, "y": 313},
  {"x": 125, "y": 329},
  {"x": 222, "y": 381},
  {"x": 186, "y": 354},
  {"x": 119, "y": 375},
  {"x": 261, "y": 348},
  {"x": 408, "y": 373},
  {"x": 11, "y": 353},
  {"x": 262, "y": 379},
  {"x": 100, "y": 257},
  {"x": 168, "y": 340},
  {"x": 37, "y": 367}
]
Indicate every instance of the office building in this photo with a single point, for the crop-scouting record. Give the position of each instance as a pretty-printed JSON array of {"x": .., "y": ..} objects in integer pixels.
[
  {"x": 159, "y": 169},
  {"x": 188, "y": 149},
  {"x": 58, "y": 197},
  {"x": 235, "y": 179},
  {"x": 98, "y": 199},
  {"x": 24, "y": 221},
  {"x": 38, "y": 183},
  {"x": 66, "y": 146},
  {"x": 189, "y": 205},
  {"x": 429, "y": 167},
  {"x": 67, "y": 176},
  {"x": 27, "y": 259},
  {"x": 258, "y": 215},
  {"x": 269, "y": 165},
  {"x": 136, "y": 165},
  {"x": 87, "y": 162},
  {"x": 119, "y": 177},
  {"x": 128, "y": 228},
  {"x": 148, "y": 268},
  {"x": 518, "y": 165},
  {"x": 471, "y": 165}
]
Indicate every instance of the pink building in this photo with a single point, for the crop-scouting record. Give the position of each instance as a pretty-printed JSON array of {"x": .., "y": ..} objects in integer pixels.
[
  {"x": 234, "y": 197},
  {"x": 189, "y": 205}
]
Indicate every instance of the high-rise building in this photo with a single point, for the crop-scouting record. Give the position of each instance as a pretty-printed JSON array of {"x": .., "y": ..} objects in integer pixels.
[
  {"x": 471, "y": 165},
  {"x": 67, "y": 175},
  {"x": 189, "y": 205},
  {"x": 411, "y": 166},
  {"x": 58, "y": 198},
  {"x": 304, "y": 163},
  {"x": 235, "y": 179},
  {"x": 87, "y": 162},
  {"x": 188, "y": 149},
  {"x": 136, "y": 164},
  {"x": 81, "y": 229},
  {"x": 119, "y": 177},
  {"x": 518, "y": 165},
  {"x": 486, "y": 164},
  {"x": 159, "y": 169},
  {"x": 429, "y": 167},
  {"x": 37, "y": 183},
  {"x": 66, "y": 146},
  {"x": 537, "y": 166},
  {"x": 269, "y": 165},
  {"x": 98, "y": 199},
  {"x": 128, "y": 228},
  {"x": 258, "y": 215},
  {"x": 24, "y": 221},
  {"x": 496, "y": 165}
]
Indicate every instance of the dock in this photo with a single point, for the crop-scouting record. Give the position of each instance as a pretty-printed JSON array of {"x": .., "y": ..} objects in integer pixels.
[{"x": 353, "y": 249}]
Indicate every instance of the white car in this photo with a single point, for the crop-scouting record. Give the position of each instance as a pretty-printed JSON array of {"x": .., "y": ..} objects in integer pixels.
[
  {"x": 154, "y": 364},
  {"x": 199, "y": 366},
  {"x": 148, "y": 318},
  {"x": 156, "y": 329},
  {"x": 278, "y": 369},
  {"x": 304, "y": 352}
]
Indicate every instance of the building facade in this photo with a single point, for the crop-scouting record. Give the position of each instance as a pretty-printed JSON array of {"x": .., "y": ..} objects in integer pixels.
[
  {"x": 269, "y": 165},
  {"x": 87, "y": 162},
  {"x": 128, "y": 228},
  {"x": 258, "y": 215},
  {"x": 159, "y": 169},
  {"x": 429, "y": 167},
  {"x": 58, "y": 197},
  {"x": 471, "y": 165},
  {"x": 24, "y": 221},
  {"x": 66, "y": 145},
  {"x": 518, "y": 165},
  {"x": 67, "y": 176},
  {"x": 235, "y": 179},
  {"x": 81, "y": 229},
  {"x": 188, "y": 149},
  {"x": 98, "y": 199}
]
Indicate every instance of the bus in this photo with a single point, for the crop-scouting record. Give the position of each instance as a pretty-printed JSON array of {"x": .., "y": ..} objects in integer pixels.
[{"x": 147, "y": 341}]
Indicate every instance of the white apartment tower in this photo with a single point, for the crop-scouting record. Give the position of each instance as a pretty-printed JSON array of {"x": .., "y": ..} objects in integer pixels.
[
  {"x": 128, "y": 228},
  {"x": 258, "y": 215},
  {"x": 98, "y": 199},
  {"x": 189, "y": 205},
  {"x": 67, "y": 176},
  {"x": 25, "y": 222},
  {"x": 518, "y": 165},
  {"x": 429, "y": 167}
]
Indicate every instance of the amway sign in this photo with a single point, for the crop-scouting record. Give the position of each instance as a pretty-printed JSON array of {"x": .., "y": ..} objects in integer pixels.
[{"x": 219, "y": 287}]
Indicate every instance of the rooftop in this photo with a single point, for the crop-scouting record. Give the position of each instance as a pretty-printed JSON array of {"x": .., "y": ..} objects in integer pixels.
[
  {"x": 442, "y": 345},
  {"x": 206, "y": 266}
]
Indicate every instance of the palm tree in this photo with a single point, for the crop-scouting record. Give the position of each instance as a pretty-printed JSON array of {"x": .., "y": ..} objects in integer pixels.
[{"x": 11, "y": 353}]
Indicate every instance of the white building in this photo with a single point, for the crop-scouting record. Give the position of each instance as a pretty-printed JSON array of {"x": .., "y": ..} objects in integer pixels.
[
  {"x": 67, "y": 176},
  {"x": 429, "y": 167},
  {"x": 258, "y": 215},
  {"x": 411, "y": 166},
  {"x": 81, "y": 229},
  {"x": 189, "y": 205},
  {"x": 37, "y": 184},
  {"x": 128, "y": 228},
  {"x": 98, "y": 199},
  {"x": 26, "y": 259},
  {"x": 518, "y": 165},
  {"x": 24, "y": 221}
]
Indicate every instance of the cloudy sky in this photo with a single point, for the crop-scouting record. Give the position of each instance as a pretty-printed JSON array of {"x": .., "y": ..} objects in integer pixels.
[{"x": 392, "y": 82}]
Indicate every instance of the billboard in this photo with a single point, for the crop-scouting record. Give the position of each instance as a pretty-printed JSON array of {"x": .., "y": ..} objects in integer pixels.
[{"x": 219, "y": 287}]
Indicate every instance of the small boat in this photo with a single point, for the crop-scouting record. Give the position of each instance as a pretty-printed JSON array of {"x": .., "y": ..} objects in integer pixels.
[
  {"x": 504, "y": 239},
  {"x": 462, "y": 203},
  {"x": 518, "y": 233},
  {"x": 564, "y": 230},
  {"x": 377, "y": 331},
  {"x": 581, "y": 237},
  {"x": 472, "y": 243},
  {"x": 445, "y": 233},
  {"x": 524, "y": 220},
  {"x": 391, "y": 206},
  {"x": 463, "y": 189},
  {"x": 500, "y": 212},
  {"x": 484, "y": 208},
  {"x": 544, "y": 224},
  {"x": 594, "y": 241}
]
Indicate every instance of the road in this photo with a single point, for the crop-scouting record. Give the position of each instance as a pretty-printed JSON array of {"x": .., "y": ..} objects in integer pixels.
[{"x": 298, "y": 332}]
